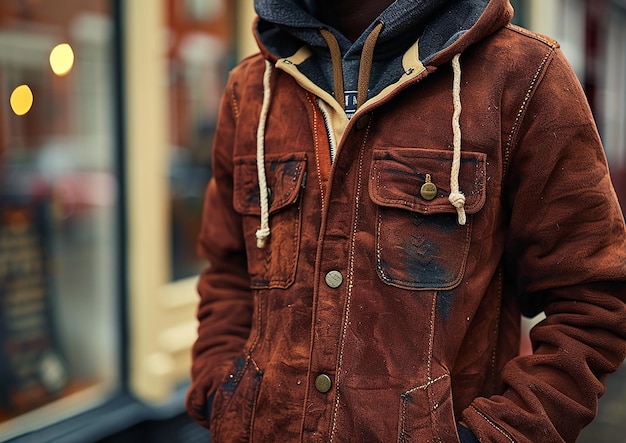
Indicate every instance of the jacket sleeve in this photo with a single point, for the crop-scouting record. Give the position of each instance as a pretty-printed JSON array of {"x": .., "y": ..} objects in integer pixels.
[
  {"x": 226, "y": 302},
  {"x": 565, "y": 255}
]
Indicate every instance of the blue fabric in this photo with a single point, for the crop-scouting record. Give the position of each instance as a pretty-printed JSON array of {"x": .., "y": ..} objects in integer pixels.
[
  {"x": 466, "y": 435},
  {"x": 209, "y": 406}
]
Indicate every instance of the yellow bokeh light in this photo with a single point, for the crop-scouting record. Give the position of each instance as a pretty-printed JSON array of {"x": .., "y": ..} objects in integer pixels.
[
  {"x": 61, "y": 59},
  {"x": 21, "y": 99}
]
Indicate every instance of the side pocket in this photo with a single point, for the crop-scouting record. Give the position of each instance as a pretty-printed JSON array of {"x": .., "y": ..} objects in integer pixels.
[
  {"x": 234, "y": 402},
  {"x": 427, "y": 413}
]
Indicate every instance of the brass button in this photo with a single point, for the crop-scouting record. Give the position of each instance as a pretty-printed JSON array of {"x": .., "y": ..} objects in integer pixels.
[
  {"x": 428, "y": 190},
  {"x": 362, "y": 122},
  {"x": 334, "y": 279},
  {"x": 323, "y": 383}
]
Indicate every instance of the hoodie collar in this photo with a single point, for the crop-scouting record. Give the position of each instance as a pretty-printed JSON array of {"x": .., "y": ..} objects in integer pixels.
[
  {"x": 285, "y": 25},
  {"x": 296, "y": 19}
]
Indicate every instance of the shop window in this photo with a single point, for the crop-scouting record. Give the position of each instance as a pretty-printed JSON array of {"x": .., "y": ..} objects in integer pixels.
[{"x": 58, "y": 210}]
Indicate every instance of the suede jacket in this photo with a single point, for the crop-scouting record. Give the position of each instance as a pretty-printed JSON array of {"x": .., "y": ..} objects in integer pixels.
[{"x": 368, "y": 267}]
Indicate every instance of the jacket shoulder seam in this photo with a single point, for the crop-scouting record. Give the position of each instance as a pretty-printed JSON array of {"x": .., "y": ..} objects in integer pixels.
[
  {"x": 553, "y": 44},
  {"x": 521, "y": 111}
]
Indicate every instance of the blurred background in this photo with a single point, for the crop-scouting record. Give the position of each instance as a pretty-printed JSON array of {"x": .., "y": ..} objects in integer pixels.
[{"x": 107, "y": 113}]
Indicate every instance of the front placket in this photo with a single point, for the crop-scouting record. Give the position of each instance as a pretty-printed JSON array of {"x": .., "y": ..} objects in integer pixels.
[{"x": 334, "y": 282}]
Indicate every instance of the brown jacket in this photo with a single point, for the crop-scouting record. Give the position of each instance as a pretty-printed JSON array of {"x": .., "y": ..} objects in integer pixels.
[{"x": 372, "y": 314}]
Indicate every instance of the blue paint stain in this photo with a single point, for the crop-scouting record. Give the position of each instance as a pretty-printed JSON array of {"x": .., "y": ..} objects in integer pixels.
[
  {"x": 444, "y": 303},
  {"x": 422, "y": 256},
  {"x": 407, "y": 397},
  {"x": 232, "y": 381}
]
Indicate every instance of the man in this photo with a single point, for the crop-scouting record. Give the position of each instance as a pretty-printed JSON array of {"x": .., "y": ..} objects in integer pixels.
[{"x": 395, "y": 183}]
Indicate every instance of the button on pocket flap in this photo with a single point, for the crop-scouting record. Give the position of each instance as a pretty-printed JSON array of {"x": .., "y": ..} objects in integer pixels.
[
  {"x": 285, "y": 176},
  {"x": 419, "y": 179}
]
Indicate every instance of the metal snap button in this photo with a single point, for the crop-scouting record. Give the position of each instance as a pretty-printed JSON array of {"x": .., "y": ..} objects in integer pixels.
[
  {"x": 334, "y": 279},
  {"x": 428, "y": 190},
  {"x": 323, "y": 383}
]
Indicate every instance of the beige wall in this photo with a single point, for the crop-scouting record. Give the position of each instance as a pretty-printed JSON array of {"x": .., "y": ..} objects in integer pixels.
[{"x": 245, "y": 16}]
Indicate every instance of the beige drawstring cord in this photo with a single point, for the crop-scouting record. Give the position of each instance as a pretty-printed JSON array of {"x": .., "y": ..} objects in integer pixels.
[
  {"x": 456, "y": 197},
  {"x": 264, "y": 231}
]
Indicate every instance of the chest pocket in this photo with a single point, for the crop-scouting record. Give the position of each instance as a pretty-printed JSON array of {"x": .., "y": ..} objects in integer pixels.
[
  {"x": 275, "y": 265},
  {"x": 419, "y": 243}
]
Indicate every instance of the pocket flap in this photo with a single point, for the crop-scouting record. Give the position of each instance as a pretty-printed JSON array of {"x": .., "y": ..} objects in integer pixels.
[
  {"x": 397, "y": 176},
  {"x": 285, "y": 175}
]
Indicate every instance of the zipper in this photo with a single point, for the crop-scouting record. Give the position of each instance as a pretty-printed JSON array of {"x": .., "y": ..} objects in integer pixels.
[{"x": 329, "y": 133}]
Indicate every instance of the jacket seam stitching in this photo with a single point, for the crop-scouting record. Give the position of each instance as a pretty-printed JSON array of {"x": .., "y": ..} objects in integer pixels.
[
  {"x": 429, "y": 370},
  {"x": 496, "y": 330},
  {"x": 511, "y": 142},
  {"x": 259, "y": 313},
  {"x": 234, "y": 103},
  {"x": 350, "y": 281},
  {"x": 537, "y": 37},
  {"x": 494, "y": 425},
  {"x": 406, "y": 398},
  {"x": 316, "y": 147}
]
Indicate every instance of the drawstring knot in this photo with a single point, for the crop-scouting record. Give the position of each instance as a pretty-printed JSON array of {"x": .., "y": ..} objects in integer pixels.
[{"x": 456, "y": 197}]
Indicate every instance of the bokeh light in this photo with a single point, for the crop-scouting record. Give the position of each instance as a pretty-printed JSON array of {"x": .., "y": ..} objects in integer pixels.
[
  {"x": 21, "y": 99},
  {"x": 62, "y": 59}
]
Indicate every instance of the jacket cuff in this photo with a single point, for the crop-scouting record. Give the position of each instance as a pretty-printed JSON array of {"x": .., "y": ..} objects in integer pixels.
[{"x": 466, "y": 435}]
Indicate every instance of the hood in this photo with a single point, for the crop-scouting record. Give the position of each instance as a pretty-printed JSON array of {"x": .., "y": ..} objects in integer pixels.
[
  {"x": 443, "y": 28},
  {"x": 286, "y": 25}
]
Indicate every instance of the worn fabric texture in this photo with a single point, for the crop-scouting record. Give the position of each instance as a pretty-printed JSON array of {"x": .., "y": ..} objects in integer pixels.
[{"x": 371, "y": 314}]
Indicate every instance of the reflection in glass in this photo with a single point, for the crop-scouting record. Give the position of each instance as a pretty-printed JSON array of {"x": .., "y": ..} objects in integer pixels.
[{"x": 201, "y": 39}]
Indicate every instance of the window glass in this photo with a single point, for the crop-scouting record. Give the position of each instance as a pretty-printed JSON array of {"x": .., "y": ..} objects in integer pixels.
[
  {"x": 58, "y": 211},
  {"x": 201, "y": 34}
]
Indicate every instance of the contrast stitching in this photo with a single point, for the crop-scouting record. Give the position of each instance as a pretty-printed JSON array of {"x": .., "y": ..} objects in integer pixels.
[
  {"x": 410, "y": 283},
  {"x": 526, "y": 33},
  {"x": 234, "y": 102},
  {"x": 522, "y": 109},
  {"x": 402, "y": 437},
  {"x": 258, "y": 323},
  {"x": 429, "y": 372},
  {"x": 497, "y": 328},
  {"x": 496, "y": 427},
  {"x": 357, "y": 202},
  {"x": 431, "y": 339},
  {"x": 428, "y": 383},
  {"x": 316, "y": 147}
]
